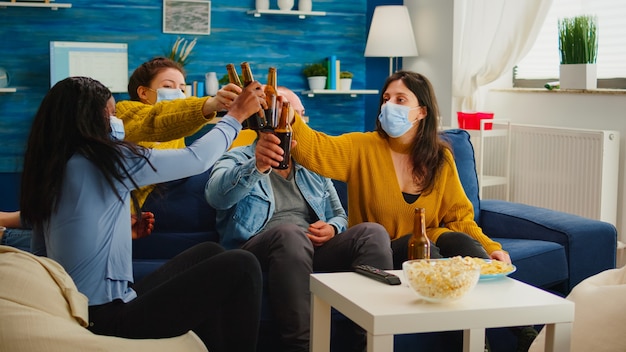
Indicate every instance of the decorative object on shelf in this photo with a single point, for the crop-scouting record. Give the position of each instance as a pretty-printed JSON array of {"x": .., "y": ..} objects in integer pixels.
[
  {"x": 391, "y": 34},
  {"x": 187, "y": 17},
  {"x": 262, "y": 4},
  {"x": 316, "y": 74},
  {"x": 4, "y": 78},
  {"x": 578, "y": 46},
  {"x": 305, "y": 5},
  {"x": 345, "y": 80},
  {"x": 211, "y": 84},
  {"x": 285, "y": 5},
  {"x": 181, "y": 50}
]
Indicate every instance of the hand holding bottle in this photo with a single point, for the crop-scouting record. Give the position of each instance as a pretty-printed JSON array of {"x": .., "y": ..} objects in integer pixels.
[
  {"x": 222, "y": 100},
  {"x": 249, "y": 101}
]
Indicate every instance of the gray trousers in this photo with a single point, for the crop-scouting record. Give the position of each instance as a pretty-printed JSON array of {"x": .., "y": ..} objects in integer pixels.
[{"x": 288, "y": 257}]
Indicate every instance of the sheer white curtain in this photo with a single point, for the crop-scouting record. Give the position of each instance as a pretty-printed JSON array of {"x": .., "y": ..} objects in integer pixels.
[{"x": 491, "y": 37}]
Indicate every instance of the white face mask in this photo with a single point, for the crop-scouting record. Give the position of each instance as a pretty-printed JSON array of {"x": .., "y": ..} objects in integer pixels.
[
  {"x": 117, "y": 128},
  {"x": 164, "y": 94},
  {"x": 394, "y": 119}
]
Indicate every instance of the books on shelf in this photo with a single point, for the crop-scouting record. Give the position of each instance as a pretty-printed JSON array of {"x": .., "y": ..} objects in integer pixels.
[{"x": 334, "y": 68}]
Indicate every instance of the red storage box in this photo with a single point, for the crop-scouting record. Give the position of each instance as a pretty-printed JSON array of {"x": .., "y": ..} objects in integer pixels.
[{"x": 471, "y": 120}]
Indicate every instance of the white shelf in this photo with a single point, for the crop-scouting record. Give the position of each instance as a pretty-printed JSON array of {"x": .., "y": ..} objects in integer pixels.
[
  {"x": 352, "y": 93},
  {"x": 50, "y": 5},
  {"x": 300, "y": 14},
  {"x": 8, "y": 90}
]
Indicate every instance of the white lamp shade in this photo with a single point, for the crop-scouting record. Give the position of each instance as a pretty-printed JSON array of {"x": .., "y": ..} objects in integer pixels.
[{"x": 391, "y": 33}]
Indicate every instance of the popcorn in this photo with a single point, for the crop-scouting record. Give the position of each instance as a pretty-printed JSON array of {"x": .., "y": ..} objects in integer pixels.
[{"x": 443, "y": 279}]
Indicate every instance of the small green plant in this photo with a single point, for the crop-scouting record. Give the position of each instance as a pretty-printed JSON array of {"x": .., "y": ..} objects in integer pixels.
[
  {"x": 578, "y": 40},
  {"x": 316, "y": 69},
  {"x": 345, "y": 74}
]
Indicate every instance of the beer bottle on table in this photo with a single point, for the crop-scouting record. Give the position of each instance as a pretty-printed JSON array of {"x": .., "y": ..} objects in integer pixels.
[
  {"x": 271, "y": 95},
  {"x": 283, "y": 132},
  {"x": 419, "y": 244},
  {"x": 256, "y": 121}
]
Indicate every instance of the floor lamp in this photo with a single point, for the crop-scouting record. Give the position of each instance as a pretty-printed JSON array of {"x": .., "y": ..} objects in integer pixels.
[{"x": 391, "y": 34}]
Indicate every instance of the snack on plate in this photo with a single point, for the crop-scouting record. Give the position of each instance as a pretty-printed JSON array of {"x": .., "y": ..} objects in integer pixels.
[
  {"x": 440, "y": 280},
  {"x": 492, "y": 267}
]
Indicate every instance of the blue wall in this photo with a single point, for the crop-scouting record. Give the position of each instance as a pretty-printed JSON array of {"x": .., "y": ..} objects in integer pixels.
[{"x": 286, "y": 42}]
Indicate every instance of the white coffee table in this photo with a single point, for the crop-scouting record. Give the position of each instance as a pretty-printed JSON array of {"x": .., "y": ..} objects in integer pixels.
[{"x": 384, "y": 310}]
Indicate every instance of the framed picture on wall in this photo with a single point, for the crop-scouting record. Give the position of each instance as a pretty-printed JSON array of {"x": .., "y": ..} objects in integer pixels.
[{"x": 187, "y": 16}]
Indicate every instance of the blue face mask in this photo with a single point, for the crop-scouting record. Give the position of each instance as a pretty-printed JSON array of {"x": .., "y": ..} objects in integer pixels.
[
  {"x": 117, "y": 128},
  {"x": 394, "y": 119},
  {"x": 164, "y": 94}
]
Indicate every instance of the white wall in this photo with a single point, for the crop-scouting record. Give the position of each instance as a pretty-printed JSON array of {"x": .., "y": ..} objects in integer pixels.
[{"x": 433, "y": 24}]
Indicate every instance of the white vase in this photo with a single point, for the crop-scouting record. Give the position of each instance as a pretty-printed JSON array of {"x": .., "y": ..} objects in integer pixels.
[
  {"x": 345, "y": 83},
  {"x": 211, "y": 84},
  {"x": 285, "y": 5},
  {"x": 305, "y": 5},
  {"x": 578, "y": 76},
  {"x": 262, "y": 4},
  {"x": 317, "y": 82}
]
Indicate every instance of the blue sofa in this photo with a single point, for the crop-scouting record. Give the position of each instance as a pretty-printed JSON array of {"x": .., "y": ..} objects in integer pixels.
[{"x": 551, "y": 250}]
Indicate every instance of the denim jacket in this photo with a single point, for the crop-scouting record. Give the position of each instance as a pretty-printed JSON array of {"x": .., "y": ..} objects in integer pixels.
[{"x": 244, "y": 199}]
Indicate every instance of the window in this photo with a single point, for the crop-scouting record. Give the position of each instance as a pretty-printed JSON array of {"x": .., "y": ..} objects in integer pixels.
[{"x": 541, "y": 64}]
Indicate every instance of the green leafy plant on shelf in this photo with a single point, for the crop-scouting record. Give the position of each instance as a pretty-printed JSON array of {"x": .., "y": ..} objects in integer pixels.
[
  {"x": 313, "y": 70},
  {"x": 224, "y": 80},
  {"x": 578, "y": 40},
  {"x": 181, "y": 50},
  {"x": 345, "y": 74}
]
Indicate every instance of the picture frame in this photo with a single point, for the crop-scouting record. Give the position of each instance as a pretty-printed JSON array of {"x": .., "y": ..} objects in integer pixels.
[{"x": 187, "y": 17}]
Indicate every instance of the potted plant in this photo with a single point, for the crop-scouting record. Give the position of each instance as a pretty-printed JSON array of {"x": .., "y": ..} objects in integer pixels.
[
  {"x": 345, "y": 80},
  {"x": 578, "y": 46},
  {"x": 181, "y": 50},
  {"x": 316, "y": 74}
]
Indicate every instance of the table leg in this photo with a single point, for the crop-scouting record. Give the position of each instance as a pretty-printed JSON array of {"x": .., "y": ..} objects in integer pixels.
[
  {"x": 320, "y": 325},
  {"x": 558, "y": 337},
  {"x": 379, "y": 343},
  {"x": 474, "y": 340}
]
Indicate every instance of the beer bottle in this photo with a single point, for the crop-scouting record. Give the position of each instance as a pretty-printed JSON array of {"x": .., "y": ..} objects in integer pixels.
[
  {"x": 419, "y": 244},
  {"x": 257, "y": 121},
  {"x": 271, "y": 95},
  {"x": 233, "y": 77},
  {"x": 283, "y": 132}
]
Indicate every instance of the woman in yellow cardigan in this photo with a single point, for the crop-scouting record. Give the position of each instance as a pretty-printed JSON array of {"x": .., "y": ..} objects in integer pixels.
[
  {"x": 159, "y": 115},
  {"x": 401, "y": 166}
]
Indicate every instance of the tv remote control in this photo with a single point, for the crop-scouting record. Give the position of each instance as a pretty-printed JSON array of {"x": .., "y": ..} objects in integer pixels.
[{"x": 377, "y": 274}]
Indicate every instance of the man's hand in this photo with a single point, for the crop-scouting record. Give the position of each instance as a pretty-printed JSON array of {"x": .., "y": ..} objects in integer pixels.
[
  {"x": 268, "y": 152},
  {"x": 320, "y": 233},
  {"x": 143, "y": 227}
]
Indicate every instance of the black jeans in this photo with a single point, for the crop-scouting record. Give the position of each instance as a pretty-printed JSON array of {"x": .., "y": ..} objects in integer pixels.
[
  {"x": 288, "y": 257},
  {"x": 448, "y": 245},
  {"x": 213, "y": 292}
]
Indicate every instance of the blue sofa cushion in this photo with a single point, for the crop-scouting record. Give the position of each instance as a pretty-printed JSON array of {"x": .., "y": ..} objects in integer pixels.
[
  {"x": 538, "y": 263},
  {"x": 463, "y": 152}
]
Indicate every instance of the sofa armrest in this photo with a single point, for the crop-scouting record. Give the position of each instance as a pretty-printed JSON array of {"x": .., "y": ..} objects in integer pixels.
[{"x": 590, "y": 245}]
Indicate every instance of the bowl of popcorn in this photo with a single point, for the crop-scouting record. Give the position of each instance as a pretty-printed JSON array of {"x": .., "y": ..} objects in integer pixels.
[{"x": 441, "y": 280}]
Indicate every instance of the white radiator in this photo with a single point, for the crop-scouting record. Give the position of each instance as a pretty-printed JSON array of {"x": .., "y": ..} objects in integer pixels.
[{"x": 566, "y": 169}]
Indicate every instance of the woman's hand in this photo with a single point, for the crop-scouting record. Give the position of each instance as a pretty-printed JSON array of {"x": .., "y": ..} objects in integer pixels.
[
  {"x": 251, "y": 100},
  {"x": 501, "y": 256},
  {"x": 222, "y": 100}
]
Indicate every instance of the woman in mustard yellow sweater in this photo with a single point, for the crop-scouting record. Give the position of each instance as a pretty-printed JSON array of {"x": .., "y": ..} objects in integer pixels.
[
  {"x": 159, "y": 115},
  {"x": 401, "y": 166}
]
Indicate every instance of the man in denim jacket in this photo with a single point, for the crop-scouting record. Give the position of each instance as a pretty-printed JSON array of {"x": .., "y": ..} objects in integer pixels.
[{"x": 293, "y": 221}]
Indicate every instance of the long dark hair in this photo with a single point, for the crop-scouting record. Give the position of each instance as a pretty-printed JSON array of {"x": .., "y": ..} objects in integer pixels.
[
  {"x": 145, "y": 73},
  {"x": 427, "y": 149},
  {"x": 72, "y": 118}
]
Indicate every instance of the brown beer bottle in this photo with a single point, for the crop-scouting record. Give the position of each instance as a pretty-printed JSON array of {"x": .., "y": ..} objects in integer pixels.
[
  {"x": 283, "y": 132},
  {"x": 256, "y": 121},
  {"x": 233, "y": 77},
  {"x": 419, "y": 244},
  {"x": 271, "y": 95}
]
